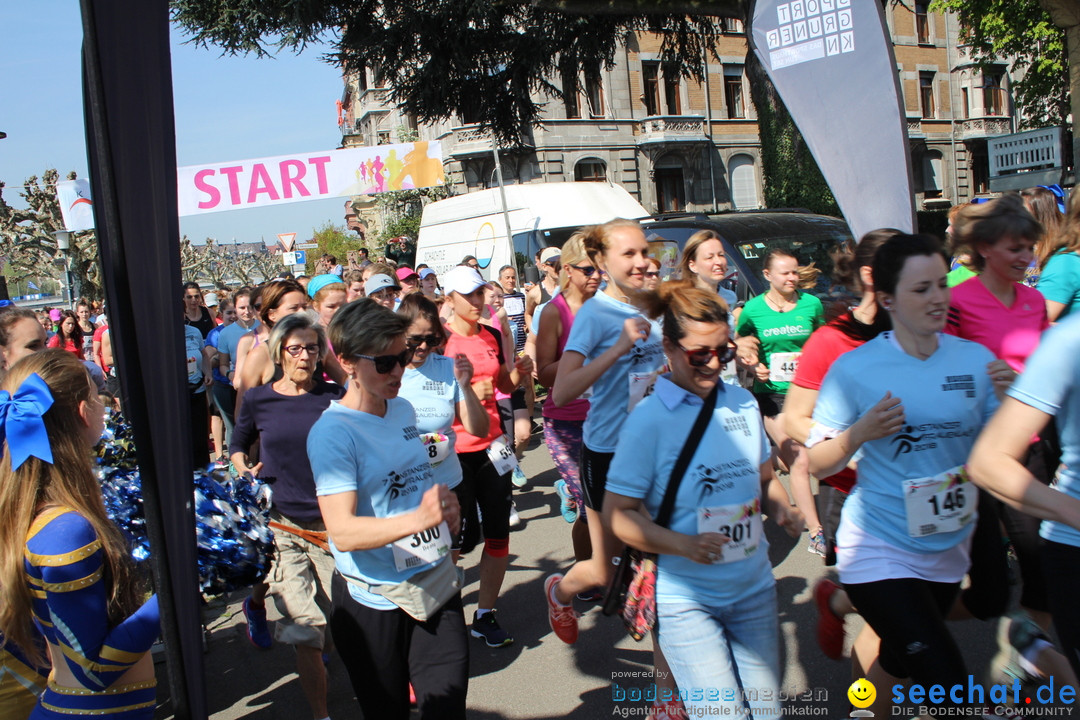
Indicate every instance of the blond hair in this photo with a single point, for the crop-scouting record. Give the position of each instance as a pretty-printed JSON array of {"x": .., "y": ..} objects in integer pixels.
[{"x": 67, "y": 482}]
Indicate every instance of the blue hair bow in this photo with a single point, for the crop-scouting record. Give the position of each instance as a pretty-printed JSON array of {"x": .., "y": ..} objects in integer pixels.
[{"x": 21, "y": 421}]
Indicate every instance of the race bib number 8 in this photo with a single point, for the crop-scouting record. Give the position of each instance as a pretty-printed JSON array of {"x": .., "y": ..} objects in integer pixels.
[
  {"x": 437, "y": 447},
  {"x": 940, "y": 504},
  {"x": 782, "y": 366},
  {"x": 740, "y": 523},
  {"x": 422, "y": 548}
]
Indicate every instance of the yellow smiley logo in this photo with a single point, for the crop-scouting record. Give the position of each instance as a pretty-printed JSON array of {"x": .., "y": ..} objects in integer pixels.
[{"x": 862, "y": 693}]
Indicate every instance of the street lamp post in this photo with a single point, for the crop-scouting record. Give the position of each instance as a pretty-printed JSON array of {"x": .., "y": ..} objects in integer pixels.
[{"x": 63, "y": 245}]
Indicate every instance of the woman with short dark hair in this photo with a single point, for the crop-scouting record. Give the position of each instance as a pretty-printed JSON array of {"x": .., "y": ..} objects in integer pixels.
[{"x": 397, "y": 612}]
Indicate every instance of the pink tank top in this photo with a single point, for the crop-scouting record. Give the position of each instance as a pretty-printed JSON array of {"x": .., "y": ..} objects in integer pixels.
[{"x": 575, "y": 409}]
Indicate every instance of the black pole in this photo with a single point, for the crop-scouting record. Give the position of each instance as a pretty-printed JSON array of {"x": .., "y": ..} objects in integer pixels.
[{"x": 128, "y": 107}]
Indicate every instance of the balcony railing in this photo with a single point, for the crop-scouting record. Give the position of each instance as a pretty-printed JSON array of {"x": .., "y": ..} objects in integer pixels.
[
  {"x": 671, "y": 128},
  {"x": 983, "y": 127},
  {"x": 471, "y": 140}
]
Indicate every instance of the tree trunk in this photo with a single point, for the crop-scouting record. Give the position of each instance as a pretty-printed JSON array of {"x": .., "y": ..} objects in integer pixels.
[{"x": 1066, "y": 15}]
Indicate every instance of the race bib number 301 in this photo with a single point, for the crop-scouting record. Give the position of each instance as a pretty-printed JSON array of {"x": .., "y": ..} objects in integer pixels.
[
  {"x": 740, "y": 523},
  {"x": 422, "y": 548},
  {"x": 940, "y": 504}
]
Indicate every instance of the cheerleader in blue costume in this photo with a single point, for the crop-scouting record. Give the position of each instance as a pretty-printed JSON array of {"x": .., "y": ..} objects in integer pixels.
[{"x": 63, "y": 563}]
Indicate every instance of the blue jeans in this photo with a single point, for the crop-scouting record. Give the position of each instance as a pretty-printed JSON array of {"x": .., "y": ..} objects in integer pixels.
[{"x": 725, "y": 657}]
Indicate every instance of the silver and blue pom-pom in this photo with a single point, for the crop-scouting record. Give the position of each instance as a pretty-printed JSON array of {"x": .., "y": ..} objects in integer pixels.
[{"x": 235, "y": 543}]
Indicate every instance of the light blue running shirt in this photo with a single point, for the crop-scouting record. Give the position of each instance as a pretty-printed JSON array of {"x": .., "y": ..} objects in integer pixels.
[
  {"x": 947, "y": 398},
  {"x": 1051, "y": 383},
  {"x": 724, "y": 471},
  {"x": 382, "y": 460},
  {"x": 597, "y": 327}
]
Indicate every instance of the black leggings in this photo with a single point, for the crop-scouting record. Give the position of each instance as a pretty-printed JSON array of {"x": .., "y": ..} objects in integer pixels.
[
  {"x": 1062, "y": 562},
  {"x": 987, "y": 596},
  {"x": 908, "y": 615},
  {"x": 384, "y": 649},
  {"x": 482, "y": 487}
]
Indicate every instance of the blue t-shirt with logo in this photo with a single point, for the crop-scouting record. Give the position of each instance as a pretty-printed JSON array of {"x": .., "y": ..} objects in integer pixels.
[
  {"x": 1051, "y": 383},
  {"x": 434, "y": 393},
  {"x": 947, "y": 398},
  {"x": 382, "y": 460},
  {"x": 597, "y": 327},
  {"x": 212, "y": 339},
  {"x": 725, "y": 470}
]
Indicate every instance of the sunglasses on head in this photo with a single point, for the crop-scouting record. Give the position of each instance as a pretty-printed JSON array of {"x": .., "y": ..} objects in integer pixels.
[
  {"x": 702, "y": 356},
  {"x": 587, "y": 271},
  {"x": 386, "y": 363},
  {"x": 415, "y": 341}
]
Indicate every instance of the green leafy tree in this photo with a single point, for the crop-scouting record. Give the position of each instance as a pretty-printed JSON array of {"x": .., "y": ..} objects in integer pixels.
[
  {"x": 1023, "y": 32},
  {"x": 29, "y": 247},
  {"x": 333, "y": 240}
]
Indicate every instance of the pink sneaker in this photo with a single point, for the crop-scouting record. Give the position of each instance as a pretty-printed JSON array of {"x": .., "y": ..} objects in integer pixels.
[{"x": 561, "y": 618}]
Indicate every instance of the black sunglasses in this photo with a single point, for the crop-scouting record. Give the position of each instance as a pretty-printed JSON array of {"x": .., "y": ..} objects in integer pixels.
[
  {"x": 587, "y": 271},
  {"x": 386, "y": 363},
  {"x": 415, "y": 341},
  {"x": 702, "y": 356}
]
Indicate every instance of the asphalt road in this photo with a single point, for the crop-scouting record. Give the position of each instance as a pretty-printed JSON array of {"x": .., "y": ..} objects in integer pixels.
[{"x": 539, "y": 676}]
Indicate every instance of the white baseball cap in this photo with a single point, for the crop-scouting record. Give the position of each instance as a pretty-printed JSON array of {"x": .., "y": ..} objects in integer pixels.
[{"x": 462, "y": 279}]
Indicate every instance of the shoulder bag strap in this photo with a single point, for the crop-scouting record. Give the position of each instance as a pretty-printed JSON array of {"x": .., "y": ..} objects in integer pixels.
[{"x": 687, "y": 453}]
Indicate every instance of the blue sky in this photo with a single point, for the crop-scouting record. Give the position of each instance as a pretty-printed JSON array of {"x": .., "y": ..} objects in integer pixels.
[{"x": 227, "y": 108}]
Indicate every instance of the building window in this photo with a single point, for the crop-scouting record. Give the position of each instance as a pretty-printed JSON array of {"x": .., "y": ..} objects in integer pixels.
[
  {"x": 733, "y": 91},
  {"x": 980, "y": 169},
  {"x": 594, "y": 94},
  {"x": 731, "y": 25},
  {"x": 993, "y": 94},
  {"x": 670, "y": 190},
  {"x": 361, "y": 79},
  {"x": 922, "y": 23},
  {"x": 744, "y": 187},
  {"x": 378, "y": 76},
  {"x": 932, "y": 173},
  {"x": 965, "y": 103},
  {"x": 650, "y": 81},
  {"x": 591, "y": 170},
  {"x": 926, "y": 94},
  {"x": 382, "y": 137},
  {"x": 671, "y": 90},
  {"x": 570, "y": 91}
]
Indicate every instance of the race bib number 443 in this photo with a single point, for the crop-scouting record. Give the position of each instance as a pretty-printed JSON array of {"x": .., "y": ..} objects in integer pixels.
[
  {"x": 782, "y": 366},
  {"x": 940, "y": 504}
]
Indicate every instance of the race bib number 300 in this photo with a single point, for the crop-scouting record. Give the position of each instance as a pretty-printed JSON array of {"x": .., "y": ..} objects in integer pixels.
[
  {"x": 740, "y": 523},
  {"x": 940, "y": 504},
  {"x": 422, "y": 548}
]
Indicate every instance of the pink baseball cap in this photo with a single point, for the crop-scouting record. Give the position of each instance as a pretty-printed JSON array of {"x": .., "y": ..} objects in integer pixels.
[
  {"x": 404, "y": 273},
  {"x": 54, "y": 315}
]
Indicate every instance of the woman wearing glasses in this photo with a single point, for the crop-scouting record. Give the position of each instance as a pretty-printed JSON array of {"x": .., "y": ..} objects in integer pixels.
[
  {"x": 396, "y": 600},
  {"x": 485, "y": 481},
  {"x": 439, "y": 388},
  {"x": 715, "y": 593},
  {"x": 280, "y": 415}
]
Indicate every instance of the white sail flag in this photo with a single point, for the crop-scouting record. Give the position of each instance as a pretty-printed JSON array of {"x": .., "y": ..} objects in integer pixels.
[{"x": 832, "y": 63}]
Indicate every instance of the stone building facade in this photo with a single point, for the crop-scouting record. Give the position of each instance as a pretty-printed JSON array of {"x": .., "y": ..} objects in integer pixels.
[{"x": 682, "y": 145}]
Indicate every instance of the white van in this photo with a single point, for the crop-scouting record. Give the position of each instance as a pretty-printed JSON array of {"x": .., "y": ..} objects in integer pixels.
[{"x": 541, "y": 215}]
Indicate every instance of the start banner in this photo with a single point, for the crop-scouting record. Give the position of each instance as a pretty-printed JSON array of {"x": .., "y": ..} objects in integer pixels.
[{"x": 308, "y": 176}]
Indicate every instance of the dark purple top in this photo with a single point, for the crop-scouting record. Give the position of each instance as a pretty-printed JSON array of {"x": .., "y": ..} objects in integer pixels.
[{"x": 282, "y": 423}]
